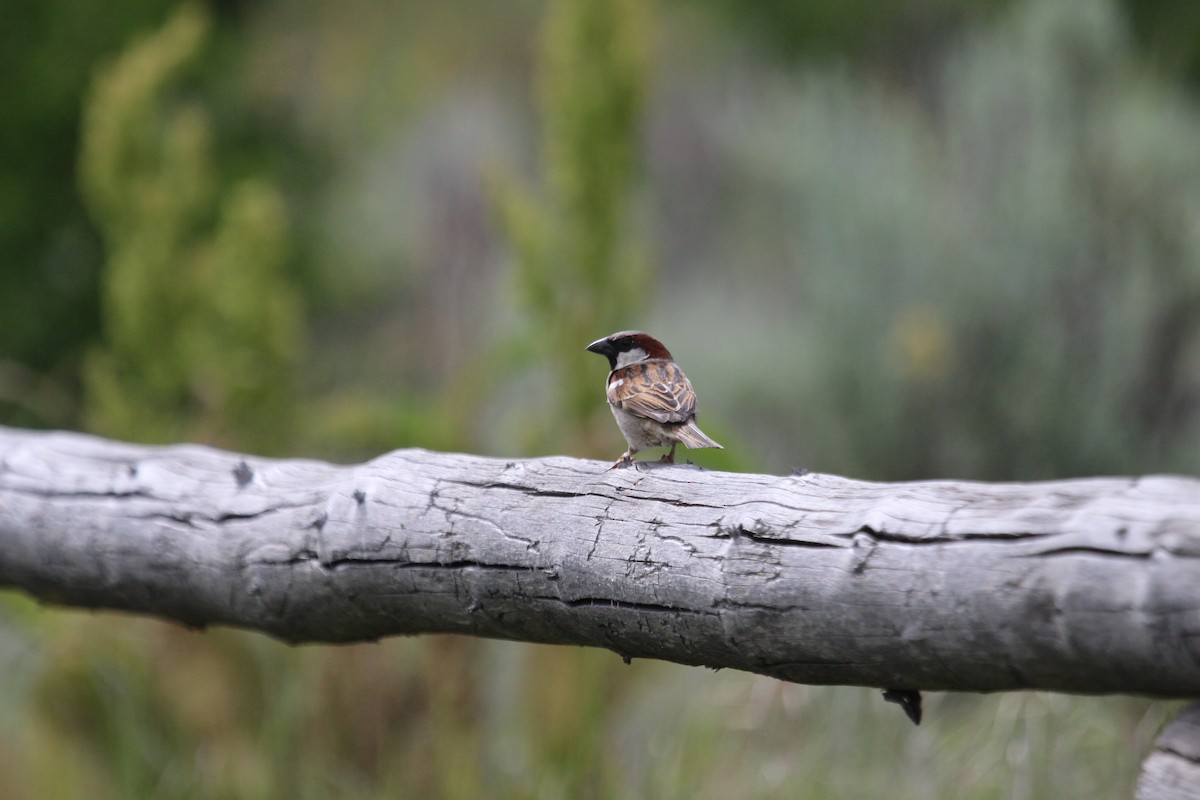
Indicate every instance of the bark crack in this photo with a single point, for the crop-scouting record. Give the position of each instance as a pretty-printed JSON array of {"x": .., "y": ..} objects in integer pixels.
[
  {"x": 1092, "y": 550},
  {"x": 629, "y": 605}
]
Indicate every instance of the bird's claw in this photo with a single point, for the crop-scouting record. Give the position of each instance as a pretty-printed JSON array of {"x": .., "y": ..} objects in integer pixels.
[{"x": 623, "y": 461}]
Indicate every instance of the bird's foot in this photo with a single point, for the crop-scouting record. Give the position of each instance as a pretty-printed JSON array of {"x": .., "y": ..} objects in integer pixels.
[{"x": 623, "y": 461}]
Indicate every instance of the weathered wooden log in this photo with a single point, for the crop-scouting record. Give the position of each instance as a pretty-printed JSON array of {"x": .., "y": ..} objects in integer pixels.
[
  {"x": 1172, "y": 770},
  {"x": 1082, "y": 586}
]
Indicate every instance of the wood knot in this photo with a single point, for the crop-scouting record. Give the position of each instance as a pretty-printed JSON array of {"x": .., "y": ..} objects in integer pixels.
[{"x": 243, "y": 474}]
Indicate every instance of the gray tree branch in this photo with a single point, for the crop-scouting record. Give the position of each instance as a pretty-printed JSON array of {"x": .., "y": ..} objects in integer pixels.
[
  {"x": 1078, "y": 586},
  {"x": 1172, "y": 770}
]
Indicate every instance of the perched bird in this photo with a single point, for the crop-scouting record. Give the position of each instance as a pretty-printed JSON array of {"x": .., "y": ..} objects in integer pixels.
[{"x": 650, "y": 396}]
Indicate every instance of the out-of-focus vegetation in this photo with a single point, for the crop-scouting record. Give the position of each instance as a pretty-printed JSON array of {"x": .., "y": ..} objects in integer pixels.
[
  {"x": 200, "y": 329},
  {"x": 577, "y": 265},
  {"x": 51, "y": 255},
  {"x": 1030, "y": 224},
  {"x": 932, "y": 240}
]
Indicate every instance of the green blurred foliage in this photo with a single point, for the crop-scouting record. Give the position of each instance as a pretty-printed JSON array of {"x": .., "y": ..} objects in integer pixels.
[
  {"x": 580, "y": 268},
  {"x": 1167, "y": 31},
  {"x": 858, "y": 28},
  {"x": 202, "y": 330},
  {"x": 47, "y": 54},
  {"x": 1001, "y": 283},
  {"x": 49, "y": 271}
]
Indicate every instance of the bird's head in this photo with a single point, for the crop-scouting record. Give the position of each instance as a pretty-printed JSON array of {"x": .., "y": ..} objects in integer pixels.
[{"x": 628, "y": 347}]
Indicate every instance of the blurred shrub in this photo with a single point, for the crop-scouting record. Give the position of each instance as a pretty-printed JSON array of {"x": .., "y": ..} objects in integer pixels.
[
  {"x": 999, "y": 280},
  {"x": 50, "y": 252},
  {"x": 201, "y": 328},
  {"x": 1170, "y": 35},
  {"x": 909, "y": 31},
  {"x": 581, "y": 272},
  {"x": 858, "y": 27}
]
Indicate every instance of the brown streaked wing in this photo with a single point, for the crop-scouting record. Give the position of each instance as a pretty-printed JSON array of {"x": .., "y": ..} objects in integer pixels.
[{"x": 654, "y": 389}]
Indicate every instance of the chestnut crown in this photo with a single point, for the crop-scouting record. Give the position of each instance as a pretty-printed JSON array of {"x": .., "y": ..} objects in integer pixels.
[{"x": 628, "y": 347}]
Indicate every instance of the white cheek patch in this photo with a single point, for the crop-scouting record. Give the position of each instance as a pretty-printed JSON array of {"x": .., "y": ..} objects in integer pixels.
[{"x": 630, "y": 357}]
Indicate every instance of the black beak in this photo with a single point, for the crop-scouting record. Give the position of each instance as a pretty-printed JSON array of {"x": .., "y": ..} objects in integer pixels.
[
  {"x": 602, "y": 346},
  {"x": 605, "y": 348}
]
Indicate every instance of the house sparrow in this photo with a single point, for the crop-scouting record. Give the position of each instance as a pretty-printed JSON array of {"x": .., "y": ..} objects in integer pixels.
[{"x": 650, "y": 396}]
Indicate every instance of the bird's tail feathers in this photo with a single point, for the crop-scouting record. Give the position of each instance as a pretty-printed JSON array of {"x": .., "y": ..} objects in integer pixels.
[{"x": 693, "y": 437}]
